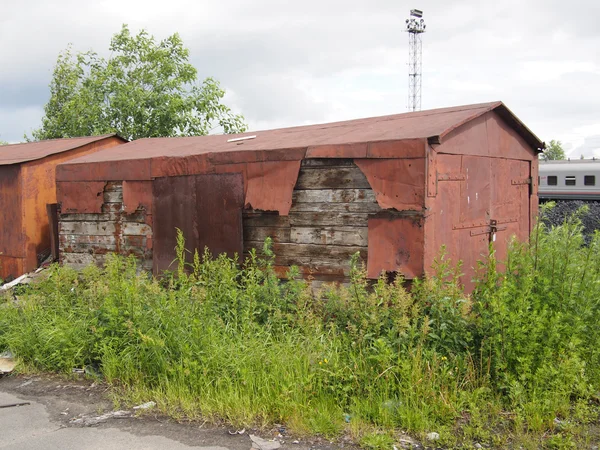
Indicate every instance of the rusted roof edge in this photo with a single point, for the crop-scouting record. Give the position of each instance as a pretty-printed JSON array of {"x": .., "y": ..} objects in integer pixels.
[{"x": 13, "y": 161}]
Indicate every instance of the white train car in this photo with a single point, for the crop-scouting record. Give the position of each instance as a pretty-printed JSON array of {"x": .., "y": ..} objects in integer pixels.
[{"x": 569, "y": 180}]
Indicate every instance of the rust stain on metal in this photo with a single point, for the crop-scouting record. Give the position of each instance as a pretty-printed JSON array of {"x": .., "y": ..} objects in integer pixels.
[
  {"x": 208, "y": 210},
  {"x": 11, "y": 227},
  {"x": 451, "y": 177},
  {"x": 398, "y": 183},
  {"x": 137, "y": 194},
  {"x": 337, "y": 151},
  {"x": 432, "y": 173},
  {"x": 31, "y": 151},
  {"x": 406, "y": 148},
  {"x": 270, "y": 185},
  {"x": 475, "y": 192},
  {"x": 80, "y": 197},
  {"x": 383, "y": 135},
  {"x": 396, "y": 245},
  {"x": 52, "y": 210}
]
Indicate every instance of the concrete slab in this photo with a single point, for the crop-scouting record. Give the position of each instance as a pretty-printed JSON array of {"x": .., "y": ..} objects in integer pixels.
[{"x": 29, "y": 428}]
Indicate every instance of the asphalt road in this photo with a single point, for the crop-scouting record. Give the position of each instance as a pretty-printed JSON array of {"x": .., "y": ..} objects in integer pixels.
[
  {"x": 30, "y": 427},
  {"x": 63, "y": 414}
]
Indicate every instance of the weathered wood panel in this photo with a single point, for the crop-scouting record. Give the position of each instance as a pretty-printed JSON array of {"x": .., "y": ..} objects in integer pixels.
[
  {"x": 86, "y": 238},
  {"x": 333, "y": 195},
  {"x": 327, "y": 223},
  {"x": 359, "y": 207},
  {"x": 349, "y": 177}
]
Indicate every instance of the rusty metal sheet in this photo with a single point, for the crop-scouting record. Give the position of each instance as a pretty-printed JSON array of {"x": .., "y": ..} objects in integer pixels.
[
  {"x": 533, "y": 194},
  {"x": 406, "y": 148},
  {"x": 137, "y": 194},
  {"x": 505, "y": 141},
  {"x": 292, "y": 143},
  {"x": 475, "y": 193},
  {"x": 396, "y": 244},
  {"x": 12, "y": 240},
  {"x": 432, "y": 173},
  {"x": 208, "y": 210},
  {"x": 31, "y": 151},
  {"x": 270, "y": 185},
  {"x": 80, "y": 197},
  {"x": 107, "y": 171},
  {"x": 52, "y": 210},
  {"x": 469, "y": 139},
  {"x": 167, "y": 166},
  {"x": 443, "y": 226},
  {"x": 510, "y": 201},
  {"x": 398, "y": 183},
  {"x": 356, "y": 150},
  {"x": 11, "y": 267}
]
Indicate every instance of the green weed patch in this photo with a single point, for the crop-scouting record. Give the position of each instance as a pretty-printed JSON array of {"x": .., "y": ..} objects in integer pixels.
[{"x": 517, "y": 362}]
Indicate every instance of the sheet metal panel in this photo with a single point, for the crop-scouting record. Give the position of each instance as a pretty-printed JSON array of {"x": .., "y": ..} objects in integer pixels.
[
  {"x": 396, "y": 244},
  {"x": 208, "y": 210},
  {"x": 137, "y": 194},
  {"x": 475, "y": 191},
  {"x": 80, "y": 197},
  {"x": 31, "y": 151},
  {"x": 270, "y": 185},
  {"x": 12, "y": 240},
  {"x": 398, "y": 183},
  {"x": 52, "y": 211}
]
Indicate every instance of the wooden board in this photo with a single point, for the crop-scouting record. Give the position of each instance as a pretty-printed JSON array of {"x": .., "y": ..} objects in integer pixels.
[{"x": 327, "y": 223}]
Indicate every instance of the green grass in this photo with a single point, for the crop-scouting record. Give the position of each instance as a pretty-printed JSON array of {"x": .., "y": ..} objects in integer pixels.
[{"x": 227, "y": 343}]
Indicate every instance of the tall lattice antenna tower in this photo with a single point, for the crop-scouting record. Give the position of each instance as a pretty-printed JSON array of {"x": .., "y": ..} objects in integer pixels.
[{"x": 415, "y": 25}]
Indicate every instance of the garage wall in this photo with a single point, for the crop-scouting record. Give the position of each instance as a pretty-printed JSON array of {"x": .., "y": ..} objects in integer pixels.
[{"x": 87, "y": 238}]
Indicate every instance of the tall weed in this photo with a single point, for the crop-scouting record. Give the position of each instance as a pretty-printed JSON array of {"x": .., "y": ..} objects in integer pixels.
[{"x": 227, "y": 341}]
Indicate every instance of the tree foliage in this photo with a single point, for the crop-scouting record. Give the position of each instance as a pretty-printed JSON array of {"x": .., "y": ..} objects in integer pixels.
[
  {"x": 554, "y": 151},
  {"x": 144, "y": 89}
]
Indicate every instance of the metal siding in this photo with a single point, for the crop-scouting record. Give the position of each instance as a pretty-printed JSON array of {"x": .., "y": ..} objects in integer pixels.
[
  {"x": 206, "y": 208},
  {"x": 11, "y": 225},
  {"x": 80, "y": 197},
  {"x": 396, "y": 244},
  {"x": 31, "y": 151},
  {"x": 398, "y": 183}
]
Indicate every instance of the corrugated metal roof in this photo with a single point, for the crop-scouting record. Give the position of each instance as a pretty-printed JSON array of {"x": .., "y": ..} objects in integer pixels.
[
  {"x": 434, "y": 123},
  {"x": 31, "y": 151}
]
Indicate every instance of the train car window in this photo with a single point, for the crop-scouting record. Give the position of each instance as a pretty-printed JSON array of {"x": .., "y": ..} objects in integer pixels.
[
  {"x": 552, "y": 180},
  {"x": 570, "y": 180},
  {"x": 589, "y": 180}
]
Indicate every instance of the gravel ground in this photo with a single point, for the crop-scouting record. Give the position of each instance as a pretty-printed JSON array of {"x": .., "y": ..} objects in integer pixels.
[{"x": 563, "y": 209}]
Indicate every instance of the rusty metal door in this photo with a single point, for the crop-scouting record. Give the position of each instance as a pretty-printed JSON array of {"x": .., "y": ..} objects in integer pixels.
[
  {"x": 510, "y": 207},
  {"x": 206, "y": 208}
]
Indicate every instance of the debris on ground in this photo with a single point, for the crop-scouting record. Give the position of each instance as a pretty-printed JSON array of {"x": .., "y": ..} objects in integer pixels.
[
  {"x": 233, "y": 433},
  {"x": 7, "y": 362},
  {"x": 146, "y": 405},
  {"x": 433, "y": 436},
  {"x": 88, "y": 421},
  {"x": 23, "y": 279},
  {"x": 259, "y": 443},
  {"x": 14, "y": 405}
]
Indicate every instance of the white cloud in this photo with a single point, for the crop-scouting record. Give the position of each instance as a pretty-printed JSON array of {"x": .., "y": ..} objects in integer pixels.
[{"x": 292, "y": 63}]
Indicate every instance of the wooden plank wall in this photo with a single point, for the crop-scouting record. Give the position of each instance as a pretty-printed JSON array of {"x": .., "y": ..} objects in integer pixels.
[
  {"x": 87, "y": 238},
  {"x": 327, "y": 224}
]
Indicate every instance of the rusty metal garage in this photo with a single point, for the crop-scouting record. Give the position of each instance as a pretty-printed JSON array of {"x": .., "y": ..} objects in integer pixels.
[
  {"x": 27, "y": 185},
  {"x": 394, "y": 188}
]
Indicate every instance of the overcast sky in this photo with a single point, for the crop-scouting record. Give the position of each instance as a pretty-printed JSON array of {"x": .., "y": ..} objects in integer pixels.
[{"x": 289, "y": 63}]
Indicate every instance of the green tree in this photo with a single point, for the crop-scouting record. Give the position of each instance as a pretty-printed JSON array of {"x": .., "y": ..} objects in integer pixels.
[
  {"x": 553, "y": 151},
  {"x": 3, "y": 142},
  {"x": 144, "y": 89}
]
